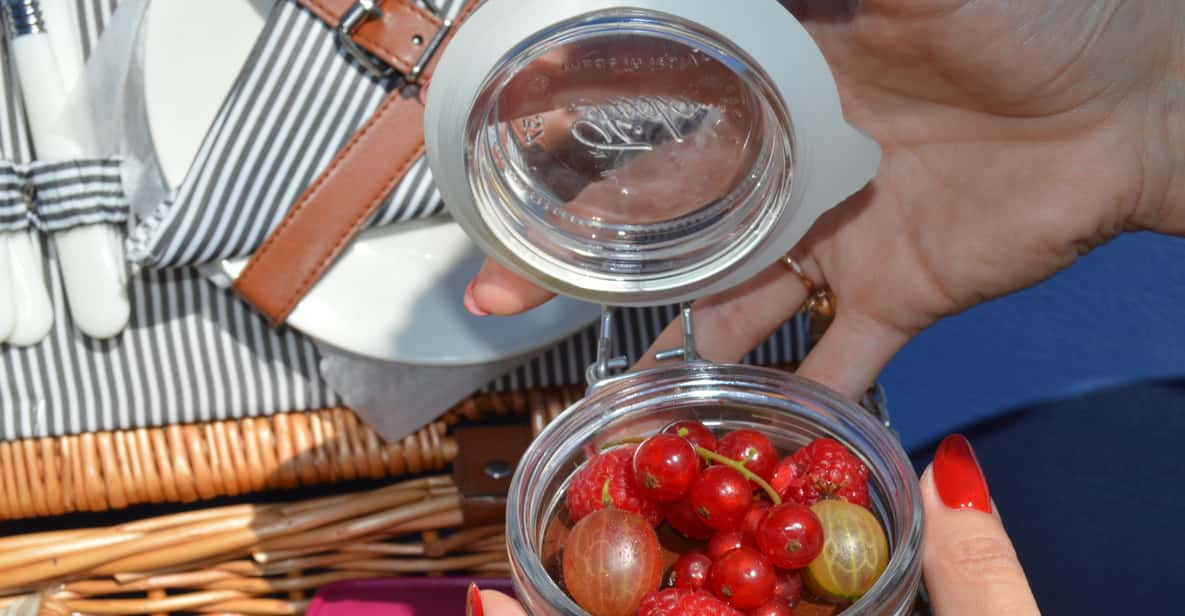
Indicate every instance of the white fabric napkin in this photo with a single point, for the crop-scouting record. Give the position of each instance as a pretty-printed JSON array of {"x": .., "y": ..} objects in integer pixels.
[{"x": 398, "y": 399}]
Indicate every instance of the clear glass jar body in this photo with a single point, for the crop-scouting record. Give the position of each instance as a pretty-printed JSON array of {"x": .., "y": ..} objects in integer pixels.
[{"x": 790, "y": 410}]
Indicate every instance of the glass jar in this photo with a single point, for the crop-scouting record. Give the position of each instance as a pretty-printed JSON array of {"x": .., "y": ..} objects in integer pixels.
[
  {"x": 790, "y": 410},
  {"x": 640, "y": 153},
  {"x": 653, "y": 152}
]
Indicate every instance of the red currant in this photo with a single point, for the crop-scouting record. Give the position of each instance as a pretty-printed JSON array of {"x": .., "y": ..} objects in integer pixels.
[
  {"x": 791, "y": 535},
  {"x": 743, "y": 577},
  {"x": 754, "y": 515},
  {"x": 691, "y": 571},
  {"x": 721, "y": 497},
  {"x": 789, "y": 587},
  {"x": 665, "y": 466},
  {"x": 681, "y": 516},
  {"x": 695, "y": 432},
  {"x": 771, "y": 608},
  {"x": 726, "y": 541},
  {"x": 752, "y": 449}
]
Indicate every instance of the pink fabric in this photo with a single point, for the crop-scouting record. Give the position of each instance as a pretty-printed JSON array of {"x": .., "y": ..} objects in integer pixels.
[{"x": 420, "y": 596}]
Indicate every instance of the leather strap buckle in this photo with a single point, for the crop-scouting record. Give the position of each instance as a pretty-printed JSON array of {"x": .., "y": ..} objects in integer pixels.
[{"x": 364, "y": 10}]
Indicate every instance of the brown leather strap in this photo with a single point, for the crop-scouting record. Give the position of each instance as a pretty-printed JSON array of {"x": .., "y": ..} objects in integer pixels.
[{"x": 336, "y": 207}]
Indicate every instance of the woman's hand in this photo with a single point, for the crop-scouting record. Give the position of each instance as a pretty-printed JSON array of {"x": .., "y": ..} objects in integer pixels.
[
  {"x": 968, "y": 561},
  {"x": 1016, "y": 136},
  {"x": 969, "y": 564}
]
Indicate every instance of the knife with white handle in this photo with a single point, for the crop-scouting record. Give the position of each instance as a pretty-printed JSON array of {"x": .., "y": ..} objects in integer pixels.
[
  {"x": 32, "y": 308},
  {"x": 7, "y": 308}
]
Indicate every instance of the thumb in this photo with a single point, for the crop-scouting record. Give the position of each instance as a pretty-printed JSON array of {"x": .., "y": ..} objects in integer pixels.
[
  {"x": 490, "y": 603},
  {"x": 969, "y": 563}
]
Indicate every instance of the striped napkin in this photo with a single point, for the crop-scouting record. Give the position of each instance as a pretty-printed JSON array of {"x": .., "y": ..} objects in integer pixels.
[
  {"x": 55, "y": 196},
  {"x": 296, "y": 102}
]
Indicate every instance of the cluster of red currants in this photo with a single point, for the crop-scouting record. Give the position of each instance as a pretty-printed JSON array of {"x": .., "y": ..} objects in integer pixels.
[{"x": 756, "y": 513}]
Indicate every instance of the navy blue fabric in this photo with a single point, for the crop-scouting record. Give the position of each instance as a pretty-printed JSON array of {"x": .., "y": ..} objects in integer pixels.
[
  {"x": 1092, "y": 490},
  {"x": 1111, "y": 320}
]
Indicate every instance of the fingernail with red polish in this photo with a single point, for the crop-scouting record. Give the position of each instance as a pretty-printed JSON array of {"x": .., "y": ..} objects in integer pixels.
[
  {"x": 471, "y": 303},
  {"x": 958, "y": 477},
  {"x": 473, "y": 602}
]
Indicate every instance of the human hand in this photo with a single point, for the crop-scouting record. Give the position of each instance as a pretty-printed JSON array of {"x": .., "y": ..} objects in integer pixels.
[
  {"x": 968, "y": 562},
  {"x": 1016, "y": 137}
]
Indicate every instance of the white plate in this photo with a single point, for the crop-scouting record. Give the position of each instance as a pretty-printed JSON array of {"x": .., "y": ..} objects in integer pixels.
[{"x": 395, "y": 294}]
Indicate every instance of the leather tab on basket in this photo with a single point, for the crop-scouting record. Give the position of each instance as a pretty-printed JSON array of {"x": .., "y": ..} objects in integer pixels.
[
  {"x": 334, "y": 209},
  {"x": 486, "y": 459}
]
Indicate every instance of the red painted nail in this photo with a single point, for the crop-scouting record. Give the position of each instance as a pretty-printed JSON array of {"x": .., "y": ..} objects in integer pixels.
[
  {"x": 471, "y": 303},
  {"x": 473, "y": 602},
  {"x": 958, "y": 477}
]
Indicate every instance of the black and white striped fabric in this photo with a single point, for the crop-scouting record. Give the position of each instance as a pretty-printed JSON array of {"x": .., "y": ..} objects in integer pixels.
[
  {"x": 55, "y": 196},
  {"x": 194, "y": 352},
  {"x": 634, "y": 331},
  {"x": 297, "y": 101}
]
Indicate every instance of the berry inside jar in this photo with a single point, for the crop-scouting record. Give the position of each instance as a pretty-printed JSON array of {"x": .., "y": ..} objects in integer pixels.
[{"x": 690, "y": 521}]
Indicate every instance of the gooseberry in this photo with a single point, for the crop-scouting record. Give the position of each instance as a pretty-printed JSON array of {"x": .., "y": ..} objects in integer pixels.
[
  {"x": 611, "y": 561},
  {"x": 855, "y": 551}
]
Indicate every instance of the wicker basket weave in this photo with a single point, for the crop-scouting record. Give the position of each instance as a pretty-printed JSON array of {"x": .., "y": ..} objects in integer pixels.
[
  {"x": 254, "y": 558},
  {"x": 250, "y": 559},
  {"x": 183, "y": 464}
]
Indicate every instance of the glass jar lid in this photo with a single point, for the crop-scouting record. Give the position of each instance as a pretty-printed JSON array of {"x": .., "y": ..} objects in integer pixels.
[{"x": 632, "y": 153}]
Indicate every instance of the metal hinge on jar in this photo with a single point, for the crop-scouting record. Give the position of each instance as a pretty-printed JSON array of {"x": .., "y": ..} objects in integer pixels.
[
  {"x": 877, "y": 403},
  {"x": 602, "y": 370}
]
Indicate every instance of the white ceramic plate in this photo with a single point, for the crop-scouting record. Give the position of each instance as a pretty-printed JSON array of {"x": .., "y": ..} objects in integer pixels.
[{"x": 395, "y": 294}]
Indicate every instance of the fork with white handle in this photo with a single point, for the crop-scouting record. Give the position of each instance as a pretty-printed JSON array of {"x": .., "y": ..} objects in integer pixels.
[{"x": 89, "y": 256}]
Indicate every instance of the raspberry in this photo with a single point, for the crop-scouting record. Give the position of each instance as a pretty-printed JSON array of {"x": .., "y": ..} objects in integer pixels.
[
  {"x": 678, "y": 602},
  {"x": 785, "y": 472},
  {"x": 823, "y": 469},
  {"x": 587, "y": 491}
]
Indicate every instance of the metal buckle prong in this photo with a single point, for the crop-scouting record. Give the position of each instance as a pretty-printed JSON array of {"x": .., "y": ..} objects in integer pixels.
[{"x": 363, "y": 10}]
